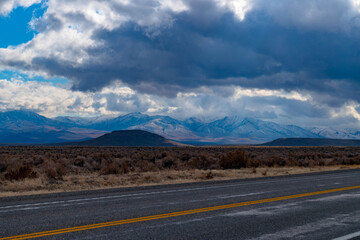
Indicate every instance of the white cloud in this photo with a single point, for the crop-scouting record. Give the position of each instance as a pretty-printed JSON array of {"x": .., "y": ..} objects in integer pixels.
[
  {"x": 64, "y": 45},
  {"x": 118, "y": 90},
  {"x": 174, "y": 5},
  {"x": 204, "y": 103},
  {"x": 254, "y": 92},
  {"x": 41, "y": 97},
  {"x": 238, "y": 7},
  {"x": 348, "y": 110},
  {"x": 67, "y": 27},
  {"x": 356, "y": 4},
  {"x": 51, "y": 100},
  {"x": 6, "y": 6}
]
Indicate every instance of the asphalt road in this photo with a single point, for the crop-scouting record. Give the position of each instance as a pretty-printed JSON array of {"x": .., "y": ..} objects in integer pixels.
[{"x": 266, "y": 208}]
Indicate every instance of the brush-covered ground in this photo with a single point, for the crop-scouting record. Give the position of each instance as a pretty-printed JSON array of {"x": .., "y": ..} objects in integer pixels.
[{"x": 32, "y": 170}]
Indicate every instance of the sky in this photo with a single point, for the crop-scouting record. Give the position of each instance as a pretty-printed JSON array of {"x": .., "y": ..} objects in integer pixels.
[{"x": 286, "y": 61}]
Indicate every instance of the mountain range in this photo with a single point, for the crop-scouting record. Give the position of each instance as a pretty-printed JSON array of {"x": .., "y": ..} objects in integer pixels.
[{"x": 26, "y": 127}]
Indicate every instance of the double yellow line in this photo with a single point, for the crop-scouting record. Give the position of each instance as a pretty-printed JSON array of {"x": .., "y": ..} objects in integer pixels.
[{"x": 173, "y": 214}]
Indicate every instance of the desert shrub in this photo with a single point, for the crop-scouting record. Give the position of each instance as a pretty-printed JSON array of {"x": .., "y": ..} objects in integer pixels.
[
  {"x": 206, "y": 175},
  {"x": 110, "y": 168},
  {"x": 145, "y": 166},
  {"x": 253, "y": 162},
  {"x": 199, "y": 162},
  {"x": 126, "y": 166},
  {"x": 79, "y": 161},
  {"x": 38, "y": 160},
  {"x": 161, "y": 155},
  {"x": 149, "y": 158},
  {"x": 311, "y": 163},
  {"x": 115, "y": 166},
  {"x": 351, "y": 161},
  {"x": 92, "y": 165},
  {"x": 275, "y": 161},
  {"x": 99, "y": 157},
  {"x": 55, "y": 162},
  {"x": 232, "y": 160},
  {"x": 51, "y": 174},
  {"x": 319, "y": 161},
  {"x": 54, "y": 170},
  {"x": 20, "y": 172},
  {"x": 303, "y": 162},
  {"x": 3, "y": 167},
  {"x": 167, "y": 162},
  {"x": 185, "y": 157}
]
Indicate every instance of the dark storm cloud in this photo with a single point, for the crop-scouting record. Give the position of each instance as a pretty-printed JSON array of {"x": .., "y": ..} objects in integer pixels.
[
  {"x": 308, "y": 46},
  {"x": 191, "y": 53},
  {"x": 295, "y": 108},
  {"x": 331, "y": 92}
]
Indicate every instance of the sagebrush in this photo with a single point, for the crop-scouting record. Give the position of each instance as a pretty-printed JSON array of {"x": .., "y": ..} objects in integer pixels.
[{"x": 52, "y": 163}]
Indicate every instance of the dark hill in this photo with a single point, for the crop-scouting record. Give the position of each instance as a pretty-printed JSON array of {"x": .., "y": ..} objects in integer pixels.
[
  {"x": 312, "y": 142},
  {"x": 138, "y": 138}
]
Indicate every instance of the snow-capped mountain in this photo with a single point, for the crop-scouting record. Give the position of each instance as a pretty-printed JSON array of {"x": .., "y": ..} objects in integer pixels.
[
  {"x": 227, "y": 130},
  {"x": 29, "y": 127},
  {"x": 81, "y": 121},
  {"x": 337, "y": 134},
  {"x": 258, "y": 130},
  {"x": 163, "y": 125},
  {"x": 23, "y": 120}
]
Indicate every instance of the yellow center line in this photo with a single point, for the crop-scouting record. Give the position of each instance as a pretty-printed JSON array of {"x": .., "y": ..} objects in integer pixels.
[{"x": 173, "y": 214}]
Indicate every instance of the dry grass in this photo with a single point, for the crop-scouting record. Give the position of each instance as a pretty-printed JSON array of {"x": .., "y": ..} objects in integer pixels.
[
  {"x": 94, "y": 181},
  {"x": 33, "y": 170}
]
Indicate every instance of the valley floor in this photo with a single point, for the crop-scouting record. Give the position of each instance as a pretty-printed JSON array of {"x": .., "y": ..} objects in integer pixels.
[{"x": 36, "y": 170}]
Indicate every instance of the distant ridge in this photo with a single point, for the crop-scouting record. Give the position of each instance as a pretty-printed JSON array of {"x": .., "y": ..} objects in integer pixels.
[
  {"x": 129, "y": 138},
  {"x": 20, "y": 127},
  {"x": 306, "y": 142}
]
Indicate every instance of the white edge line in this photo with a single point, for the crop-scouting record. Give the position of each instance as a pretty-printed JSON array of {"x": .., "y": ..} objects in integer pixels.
[{"x": 349, "y": 236}]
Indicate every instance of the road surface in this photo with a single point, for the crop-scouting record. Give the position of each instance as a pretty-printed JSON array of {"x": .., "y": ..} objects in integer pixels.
[{"x": 308, "y": 206}]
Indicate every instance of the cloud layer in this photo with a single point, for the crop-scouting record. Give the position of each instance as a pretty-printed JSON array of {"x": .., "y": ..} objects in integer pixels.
[
  {"x": 186, "y": 44},
  {"x": 206, "y": 103},
  {"x": 168, "y": 49}
]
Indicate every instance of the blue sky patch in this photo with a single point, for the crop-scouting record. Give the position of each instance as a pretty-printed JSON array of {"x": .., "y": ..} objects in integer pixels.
[
  {"x": 15, "y": 27},
  {"x": 24, "y": 77}
]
